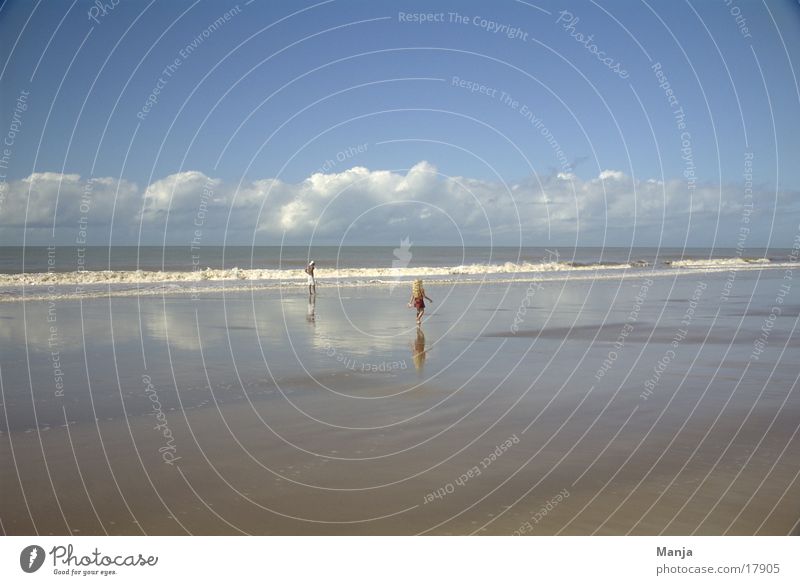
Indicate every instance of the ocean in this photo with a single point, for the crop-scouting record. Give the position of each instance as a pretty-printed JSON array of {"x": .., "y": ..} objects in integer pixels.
[
  {"x": 33, "y": 259},
  {"x": 70, "y": 272}
]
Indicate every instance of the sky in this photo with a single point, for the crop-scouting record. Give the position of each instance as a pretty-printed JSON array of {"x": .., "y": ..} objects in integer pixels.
[{"x": 635, "y": 123}]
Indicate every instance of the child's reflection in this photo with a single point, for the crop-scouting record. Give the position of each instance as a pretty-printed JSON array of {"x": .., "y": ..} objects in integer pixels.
[{"x": 418, "y": 350}]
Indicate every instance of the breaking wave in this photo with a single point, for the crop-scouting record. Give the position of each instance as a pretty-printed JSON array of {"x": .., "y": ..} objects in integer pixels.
[
  {"x": 92, "y": 277},
  {"x": 717, "y": 262},
  {"x": 98, "y": 283}
]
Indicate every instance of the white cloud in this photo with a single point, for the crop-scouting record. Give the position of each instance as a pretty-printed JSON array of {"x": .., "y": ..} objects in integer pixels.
[
  {"x": 359, "y": 205},
  {"x": 44, "y": 198},
  {"x": 177, "y": 191}
]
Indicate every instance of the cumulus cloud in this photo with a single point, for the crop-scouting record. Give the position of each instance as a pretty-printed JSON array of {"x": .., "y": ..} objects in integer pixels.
[
  {"x": 177, "y": 191},
  {"x": 44, "y": 199},
  {"x": 35, "y": 208},
  {"x": 360, "y": 205}
]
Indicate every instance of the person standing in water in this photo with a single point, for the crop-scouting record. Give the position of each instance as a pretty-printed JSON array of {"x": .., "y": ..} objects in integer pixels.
[
  {"x": 418, "y": 297},
  {"x": 310, "y": 280}
]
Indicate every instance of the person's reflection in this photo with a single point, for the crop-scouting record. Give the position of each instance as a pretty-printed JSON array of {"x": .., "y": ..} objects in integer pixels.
[
  {"x": 418, "y": 350},
  {"x": 312, "y": 306}
]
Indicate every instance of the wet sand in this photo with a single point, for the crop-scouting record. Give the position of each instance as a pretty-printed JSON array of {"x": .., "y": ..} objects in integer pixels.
[{"x": 267, "y": 414}]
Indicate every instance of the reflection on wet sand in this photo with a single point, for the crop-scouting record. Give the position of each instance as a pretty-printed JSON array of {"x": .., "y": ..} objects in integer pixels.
[
  {"x": 418, "y": 353},
  {"x": 311, "y": 316},
  {"x": 287, "y": 428}
]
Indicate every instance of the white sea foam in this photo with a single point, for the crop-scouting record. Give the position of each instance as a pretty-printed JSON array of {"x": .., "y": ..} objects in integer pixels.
[
  {"x": 92, "y": 277},
  {"x": 718, "y": 262},
  {"x": 93, "y": 284}
]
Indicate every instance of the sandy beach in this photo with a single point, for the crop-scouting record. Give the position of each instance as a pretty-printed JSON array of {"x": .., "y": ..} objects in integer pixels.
[{"x": 621, "y": 406}]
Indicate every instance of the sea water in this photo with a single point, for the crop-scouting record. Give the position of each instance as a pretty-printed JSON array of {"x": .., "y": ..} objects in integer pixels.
[{"x": 70, "y": 272}]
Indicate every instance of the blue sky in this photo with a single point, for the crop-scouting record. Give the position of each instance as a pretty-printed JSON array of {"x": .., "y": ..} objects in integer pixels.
[{"x": 279, "y": 91}]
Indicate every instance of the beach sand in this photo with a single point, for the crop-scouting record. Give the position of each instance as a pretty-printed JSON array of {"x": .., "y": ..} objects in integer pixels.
[{"x": 518, "y": 409}]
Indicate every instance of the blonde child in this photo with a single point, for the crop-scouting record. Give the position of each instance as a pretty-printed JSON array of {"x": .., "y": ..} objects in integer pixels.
[{"x": 418, "y": 297}]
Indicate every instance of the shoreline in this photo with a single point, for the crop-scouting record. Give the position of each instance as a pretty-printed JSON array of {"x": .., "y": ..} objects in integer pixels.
[{"x": 215, "y": 286}]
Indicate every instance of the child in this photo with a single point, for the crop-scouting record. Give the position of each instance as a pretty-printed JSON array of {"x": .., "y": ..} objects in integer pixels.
[{"x": 417, "y": 301}]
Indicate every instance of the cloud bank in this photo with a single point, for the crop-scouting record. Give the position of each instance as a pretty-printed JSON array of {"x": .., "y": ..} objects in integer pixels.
[{"x": 362, "y": 206}]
